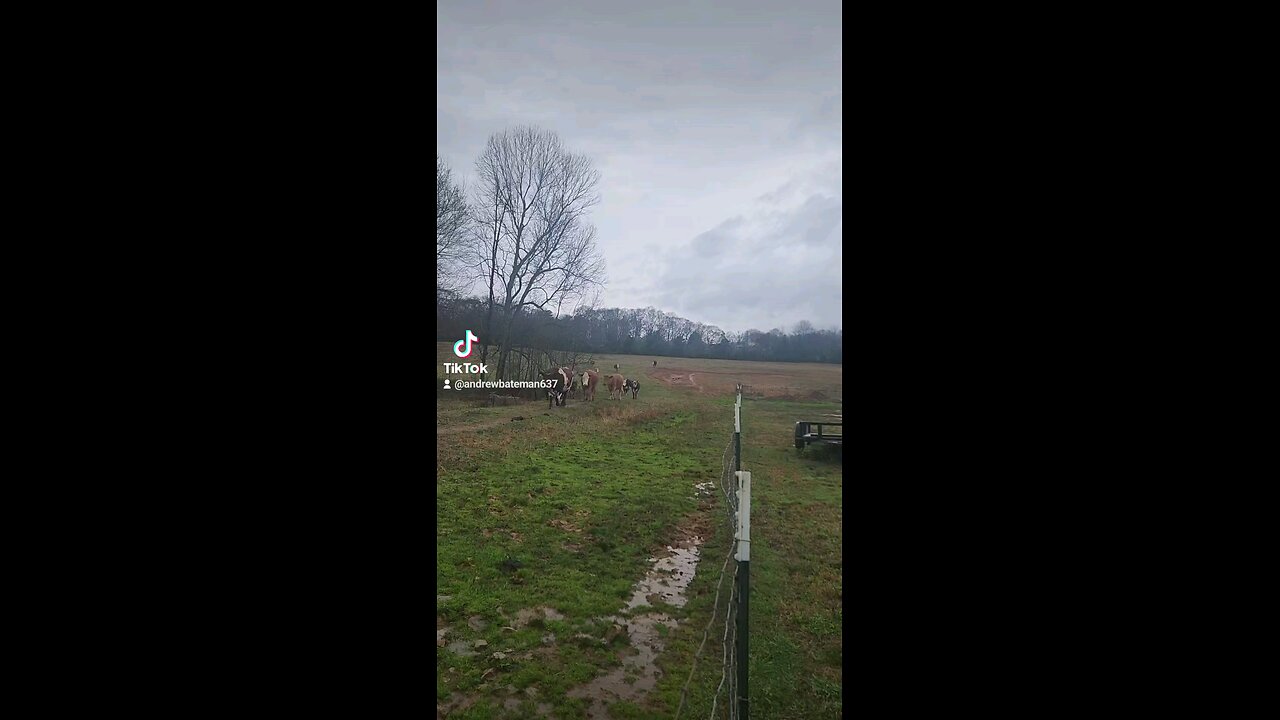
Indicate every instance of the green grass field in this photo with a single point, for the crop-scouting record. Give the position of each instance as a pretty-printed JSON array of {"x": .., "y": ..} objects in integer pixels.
[{"x": 546, "y": 524}]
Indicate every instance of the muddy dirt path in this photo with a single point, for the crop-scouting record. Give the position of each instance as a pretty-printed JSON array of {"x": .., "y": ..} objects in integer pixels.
[
  {"x": 664, "y": 584},
  {"x": 669, "y": 379}
]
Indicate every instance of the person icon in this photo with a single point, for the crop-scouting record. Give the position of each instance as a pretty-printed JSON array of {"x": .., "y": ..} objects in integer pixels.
[{"x": 446, "y": 383}]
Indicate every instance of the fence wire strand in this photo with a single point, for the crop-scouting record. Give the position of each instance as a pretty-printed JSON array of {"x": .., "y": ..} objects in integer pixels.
[{"x": 729, "y": 638}]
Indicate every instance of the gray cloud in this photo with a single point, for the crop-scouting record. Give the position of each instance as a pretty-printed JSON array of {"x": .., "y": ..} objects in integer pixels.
[
  {"x": 781, "y": 266},
  {"x": 717, "y": 130}
]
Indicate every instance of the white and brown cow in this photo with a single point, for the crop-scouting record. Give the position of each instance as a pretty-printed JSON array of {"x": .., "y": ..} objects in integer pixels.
[
  {"x": 615, "y": 386},
  {"x": 563, "y": 379},
  {"x": 590, "y": 381}
]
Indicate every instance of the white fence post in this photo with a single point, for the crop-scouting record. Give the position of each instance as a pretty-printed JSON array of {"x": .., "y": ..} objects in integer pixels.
[
  {"x": 744, "y": 516},
  {"x": 744, "y": 591}
]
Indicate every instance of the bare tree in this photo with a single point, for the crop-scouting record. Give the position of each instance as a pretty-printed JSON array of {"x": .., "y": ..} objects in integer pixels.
[
  {"x": 538, "y": 248},
  {"x": 451, "y": 229}
]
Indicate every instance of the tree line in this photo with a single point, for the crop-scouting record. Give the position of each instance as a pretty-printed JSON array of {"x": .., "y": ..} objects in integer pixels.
[{"x": 640, "y": 332}]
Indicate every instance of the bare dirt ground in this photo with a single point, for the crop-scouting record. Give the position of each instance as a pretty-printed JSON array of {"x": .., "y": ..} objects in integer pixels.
[{"x": 801, "y": 383}]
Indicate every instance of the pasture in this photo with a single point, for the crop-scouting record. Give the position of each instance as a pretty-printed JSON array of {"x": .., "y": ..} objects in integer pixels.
[{"x": 578, "y": 549}]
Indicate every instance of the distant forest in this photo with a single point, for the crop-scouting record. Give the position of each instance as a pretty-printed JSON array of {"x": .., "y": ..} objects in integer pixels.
[{"x": 639, "y": 332}]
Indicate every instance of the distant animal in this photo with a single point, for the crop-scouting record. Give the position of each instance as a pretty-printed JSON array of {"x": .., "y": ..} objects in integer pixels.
[
  {"x": 655, "y": 363},
  {"x": 615, "y": 366},
  {"x": 590, "y": 381},
  {"x": 615, "y": 386},
  {"x": 633, "y": 386}
]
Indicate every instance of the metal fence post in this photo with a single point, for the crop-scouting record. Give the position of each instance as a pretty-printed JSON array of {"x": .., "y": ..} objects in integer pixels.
[{"x": 744, "y": 588}]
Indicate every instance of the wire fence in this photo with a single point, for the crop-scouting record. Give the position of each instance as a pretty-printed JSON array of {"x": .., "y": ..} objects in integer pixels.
[{"x": 730, "y": 700}]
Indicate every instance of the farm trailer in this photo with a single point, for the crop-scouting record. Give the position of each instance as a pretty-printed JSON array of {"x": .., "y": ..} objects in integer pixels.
[{"x": 810, "y": 431}]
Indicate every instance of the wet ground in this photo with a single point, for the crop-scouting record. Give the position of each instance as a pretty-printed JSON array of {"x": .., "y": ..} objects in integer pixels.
[{"x": 664, "y": 584}]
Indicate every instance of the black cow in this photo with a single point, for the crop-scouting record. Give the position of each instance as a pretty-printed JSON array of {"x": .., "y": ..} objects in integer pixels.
[{"x": 633, "y": 386}]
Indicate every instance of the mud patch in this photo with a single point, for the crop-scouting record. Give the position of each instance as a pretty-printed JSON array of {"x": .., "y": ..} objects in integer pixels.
[
  {"x": 512, "y": 704},
  {"x": 564, "y": 525},
  {"x": 664, "y": 583},
  {"x": 460, "y": 647},
  {"x": 537, "y": 616},
  {"x": 455, "y": 703}
]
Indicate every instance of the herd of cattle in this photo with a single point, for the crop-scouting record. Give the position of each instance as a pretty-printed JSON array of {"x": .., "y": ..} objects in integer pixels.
[{"x": 568, "y": 383}]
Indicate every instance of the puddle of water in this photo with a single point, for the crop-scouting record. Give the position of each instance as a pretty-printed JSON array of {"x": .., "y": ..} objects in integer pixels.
[
  {"x": 667, "y": 579},
  {"x": 639, "y": 667},
  {"x": 665, "y": 582}
]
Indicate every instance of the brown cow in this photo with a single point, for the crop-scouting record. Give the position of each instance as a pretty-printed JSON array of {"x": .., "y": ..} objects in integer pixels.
[
  {"x": 615, "y": 386},
  {"x": 590, "y": 381}
]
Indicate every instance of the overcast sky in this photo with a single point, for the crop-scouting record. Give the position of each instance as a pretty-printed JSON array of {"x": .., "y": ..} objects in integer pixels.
[{"x": 716, "y": 128}]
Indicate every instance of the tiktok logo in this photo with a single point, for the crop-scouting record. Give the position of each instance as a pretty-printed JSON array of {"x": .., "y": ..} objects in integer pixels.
[{"x": 457, "y": 347}]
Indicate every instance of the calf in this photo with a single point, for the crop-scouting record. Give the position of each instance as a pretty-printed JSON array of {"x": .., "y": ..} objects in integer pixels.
[
  {"x": 557, "y": 395},
  {"x": 633, "y": 386},
  {"x": 615, "y": 386},
  {"x": 590, "y": 381}
]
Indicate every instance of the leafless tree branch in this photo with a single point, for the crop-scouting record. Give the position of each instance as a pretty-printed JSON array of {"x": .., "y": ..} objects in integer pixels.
[{"x": 538, "y": 248}]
